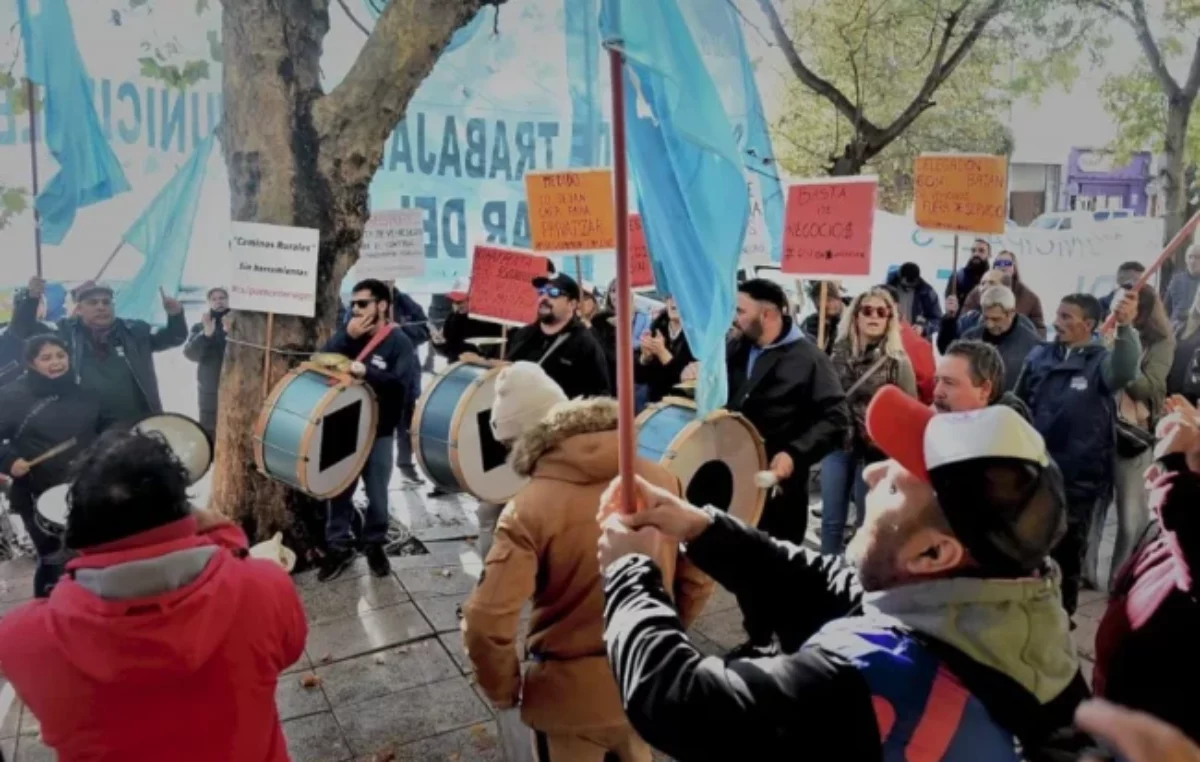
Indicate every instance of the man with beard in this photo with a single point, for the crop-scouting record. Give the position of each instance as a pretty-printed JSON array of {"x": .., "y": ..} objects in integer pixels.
[
  {"x": 941, "y": 636},
  {"x": 206, "y": 348},
  {"x": 113, "y": 358},
  {"x": 970, "y": 376},
  {"x": 969, "y": 275},
  {"x": 560, "y": 342},
  {"x": 787, "y": 387}
]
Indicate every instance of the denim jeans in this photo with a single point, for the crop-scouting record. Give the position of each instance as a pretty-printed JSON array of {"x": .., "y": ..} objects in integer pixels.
[
  {"x": 1132, "y": 501},
  {"x": 841, "y": 475},
  {"x": 339, "y": 532},
  {"x": 404, "y": 451}
]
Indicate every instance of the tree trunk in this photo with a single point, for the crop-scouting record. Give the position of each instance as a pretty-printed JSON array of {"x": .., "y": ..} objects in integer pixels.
[
  {"x": 299, "y": 157},
  {"x": 1174, "y": 187}
]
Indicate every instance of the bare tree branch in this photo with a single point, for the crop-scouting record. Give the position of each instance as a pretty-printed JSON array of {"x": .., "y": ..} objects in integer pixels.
[
  {"x": 368, "y": 104},
  {"x": 811, "y": 79},
  {"x": 943, "y": 67},
  {"x": 353, "y": 18},
  {"x": 1141, "y": 28}
]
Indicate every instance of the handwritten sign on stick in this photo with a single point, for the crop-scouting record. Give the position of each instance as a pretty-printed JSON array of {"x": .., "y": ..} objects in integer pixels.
[
  {"x": 964, "y": 193},
  {"x": 641, "y": 272},
  {"x": 829, "y": 225},
  {"x": 393, "y": 245},
  {"x": 502, "y": 285},
  {"x": 571, "y": 211}
]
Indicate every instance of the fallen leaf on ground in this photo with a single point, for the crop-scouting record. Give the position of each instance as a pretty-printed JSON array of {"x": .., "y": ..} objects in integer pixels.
[
  {"x": 326, "y": 658},
  {"x": 310, "y": 680},
  {"x": 384, "y": 755}
]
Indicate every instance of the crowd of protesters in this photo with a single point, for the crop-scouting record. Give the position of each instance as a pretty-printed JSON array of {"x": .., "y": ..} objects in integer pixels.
[{"x": 964, "y": 496}]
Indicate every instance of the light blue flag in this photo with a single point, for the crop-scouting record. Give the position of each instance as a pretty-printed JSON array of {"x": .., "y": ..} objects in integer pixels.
[
  {"x": 688, "y": 170},
  {"x": 88, "y": 169},
  {"x": 163, "y": 234}
]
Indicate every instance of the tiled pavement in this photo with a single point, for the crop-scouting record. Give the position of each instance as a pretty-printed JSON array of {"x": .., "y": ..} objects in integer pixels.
[{"x": 393, "y": 677}]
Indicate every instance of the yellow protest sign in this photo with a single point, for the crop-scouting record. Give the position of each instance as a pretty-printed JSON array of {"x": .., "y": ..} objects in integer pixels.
[
  {"x": 571, "y": 210},
  {"x": 963, "y": 193}
]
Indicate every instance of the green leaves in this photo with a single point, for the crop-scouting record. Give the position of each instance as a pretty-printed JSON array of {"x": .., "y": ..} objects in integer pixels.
[
  {"x": 16, "y": 94},
  {"x": 13, "y": 201},
  {"x": 174, "y": 76}
]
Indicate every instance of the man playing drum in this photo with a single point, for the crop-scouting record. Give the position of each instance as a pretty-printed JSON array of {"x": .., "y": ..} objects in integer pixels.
[{"x": 384, "y": 369}]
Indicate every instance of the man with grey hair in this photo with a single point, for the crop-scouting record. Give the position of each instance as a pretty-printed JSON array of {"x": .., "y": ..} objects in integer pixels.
[
  {"x": 1182, "y": 290},
  {"x": 1011, "y": 334}
]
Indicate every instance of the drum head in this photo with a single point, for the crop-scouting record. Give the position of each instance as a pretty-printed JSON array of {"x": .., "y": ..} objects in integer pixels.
[
  {"x": 52, "y": 506},
  {"x": 186, "y": 438},
  {"x": 477, "y": 459}
]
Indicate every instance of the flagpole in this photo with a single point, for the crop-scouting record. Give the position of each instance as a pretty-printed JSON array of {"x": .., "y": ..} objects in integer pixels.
[
  {"x": 109, "y": 261},
  {"x": 624, "y": 317},
  {"x": 30, "y": 94}
]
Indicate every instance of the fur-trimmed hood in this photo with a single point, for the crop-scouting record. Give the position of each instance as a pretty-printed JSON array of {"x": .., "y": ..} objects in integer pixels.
[{"x": 584, "y": 419}]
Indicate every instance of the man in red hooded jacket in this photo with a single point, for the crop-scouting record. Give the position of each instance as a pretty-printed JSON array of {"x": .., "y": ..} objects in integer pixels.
[{"x": 163, "y": 641}]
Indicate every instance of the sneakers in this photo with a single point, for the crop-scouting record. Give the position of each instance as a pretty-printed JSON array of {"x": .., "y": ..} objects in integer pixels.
[
  {"x": 410, "y": 475},
  {"x": 335, "y": 564},
  {"x": 751, "y": 650},
  {"x": 377, "y": 561}
]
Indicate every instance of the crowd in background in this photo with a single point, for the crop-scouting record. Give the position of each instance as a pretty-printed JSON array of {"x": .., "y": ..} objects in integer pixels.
[{"x": 964, "y": 494}]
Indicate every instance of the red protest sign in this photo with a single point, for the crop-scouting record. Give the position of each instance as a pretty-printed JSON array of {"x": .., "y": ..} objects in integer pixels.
[
  {"x": 641, "y": 272},
  {"x": 502, "y": 285},
  {"x": 829, "y": 226}
]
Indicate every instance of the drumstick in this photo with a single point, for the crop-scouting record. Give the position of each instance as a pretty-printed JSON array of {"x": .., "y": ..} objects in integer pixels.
[{"x": 52, "y": 452}]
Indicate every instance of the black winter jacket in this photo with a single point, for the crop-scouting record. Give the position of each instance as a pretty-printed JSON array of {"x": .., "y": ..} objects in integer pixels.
[
  {"x": 208, "y": 352},
  {"x": 578, "y": 365},
  {"x": 458, "y": 331},
  {"x": 793, "y": 397},
  {"x": 137, "y": 341},
  {"x": 36, "y": 415},
  {"x": 811, "y": 703},
  {"x": 661, "y": 379},
  {"x": 1013, "y": 346},
  {"x": 387, "y": 372},
  {"x": 12, "y": 338}
]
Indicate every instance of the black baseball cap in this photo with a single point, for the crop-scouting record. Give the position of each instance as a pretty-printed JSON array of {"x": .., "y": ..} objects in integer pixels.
[
  {"x": 562, "y": 281},
  {"x": 995, "y": 482}
]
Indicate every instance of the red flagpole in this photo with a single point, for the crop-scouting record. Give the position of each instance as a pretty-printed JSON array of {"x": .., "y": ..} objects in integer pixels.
[{"x": 624, "y": 317}]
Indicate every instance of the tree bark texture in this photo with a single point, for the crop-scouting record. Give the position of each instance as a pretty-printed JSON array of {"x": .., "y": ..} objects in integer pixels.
[
  {"x": 300, "y": 157},
  {"x": 1174, "y": 187}
]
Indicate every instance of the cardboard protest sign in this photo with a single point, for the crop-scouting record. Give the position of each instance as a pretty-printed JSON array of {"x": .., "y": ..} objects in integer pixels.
[
  {"x": 963, "y": 193},
  {"x": 828, "y": 227},
  {"x": 571, "y": 211},
  {"x": 640, "y": 270},
  {"x": 274, "y": 268},
  {"x": 393, "y": 245},
  {"x": 502, "y": 284}
]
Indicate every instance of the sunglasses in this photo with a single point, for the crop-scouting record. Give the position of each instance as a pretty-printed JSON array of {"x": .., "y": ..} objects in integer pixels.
[
  {"x": 362, "y": 304},
  {"x": 551, "y": 291},
  {"x": 1002, "y": 263},
  {"x": 869, "y": 311}
]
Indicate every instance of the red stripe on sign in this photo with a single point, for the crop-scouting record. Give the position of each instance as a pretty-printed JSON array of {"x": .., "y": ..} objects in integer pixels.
[{"x": 943, "y": 713}]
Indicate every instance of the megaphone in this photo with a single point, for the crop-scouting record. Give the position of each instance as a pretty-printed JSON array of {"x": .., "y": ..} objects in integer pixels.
[{"x": 186, "y": 438}]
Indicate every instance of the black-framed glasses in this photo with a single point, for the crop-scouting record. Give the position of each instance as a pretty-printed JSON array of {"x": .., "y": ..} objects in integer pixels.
[
  {"x": 551, "y": 291},
  {"x": 362, "y": 304}
]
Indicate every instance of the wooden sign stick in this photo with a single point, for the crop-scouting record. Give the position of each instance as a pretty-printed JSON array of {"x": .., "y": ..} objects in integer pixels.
[{"x": 821, "y": 316}]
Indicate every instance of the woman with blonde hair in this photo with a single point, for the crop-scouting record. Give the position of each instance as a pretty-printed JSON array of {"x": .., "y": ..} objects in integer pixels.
[{"x": 867, "y": 355}]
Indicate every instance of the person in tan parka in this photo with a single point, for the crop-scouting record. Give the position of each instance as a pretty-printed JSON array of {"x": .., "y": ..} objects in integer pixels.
[{"x": 544, "y": 549}]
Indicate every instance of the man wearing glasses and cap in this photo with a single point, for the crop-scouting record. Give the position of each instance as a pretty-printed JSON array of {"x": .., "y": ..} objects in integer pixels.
[
  {"x": 114, "y": 357},
  {"x": 560, "y": 342}
]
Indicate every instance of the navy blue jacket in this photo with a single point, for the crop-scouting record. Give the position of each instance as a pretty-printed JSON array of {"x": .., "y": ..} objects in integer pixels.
[
  {"x": 1070, "y": 394},
  {"x": 386, "y": 372},
  {"x": 413, "y": 323}
]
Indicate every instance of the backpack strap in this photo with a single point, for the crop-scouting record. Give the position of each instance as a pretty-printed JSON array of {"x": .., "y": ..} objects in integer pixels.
[{"x": 1046, "y": 732}]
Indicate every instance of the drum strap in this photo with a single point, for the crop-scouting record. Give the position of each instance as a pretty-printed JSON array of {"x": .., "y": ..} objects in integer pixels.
[
  {"x": 375, "y": 341},
  {"x": 41, "y": 405},
  {"x": 562, "y": 338}
]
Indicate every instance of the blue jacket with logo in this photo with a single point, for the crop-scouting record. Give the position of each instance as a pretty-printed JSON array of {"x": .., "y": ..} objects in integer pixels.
[
  {"x": 1070, "y": 392},
  {"x": 387, "y": 371},
  {"x": 948, "y": 670}
]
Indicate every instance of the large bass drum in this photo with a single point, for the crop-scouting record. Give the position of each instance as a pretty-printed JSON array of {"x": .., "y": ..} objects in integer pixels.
[
  {"x": 316, "y": 431},
  {"x": 715, "y": 457},
  {"x": 452, "y": 435}
]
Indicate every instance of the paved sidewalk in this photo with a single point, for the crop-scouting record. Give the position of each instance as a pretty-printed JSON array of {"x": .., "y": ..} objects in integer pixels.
[{"x": 393, "y": 676}]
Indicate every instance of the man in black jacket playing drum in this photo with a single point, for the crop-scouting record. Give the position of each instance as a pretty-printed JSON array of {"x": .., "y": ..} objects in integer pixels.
[
  {"x": 787, "y": 387},
  {"x": 385, "y": 370}
]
